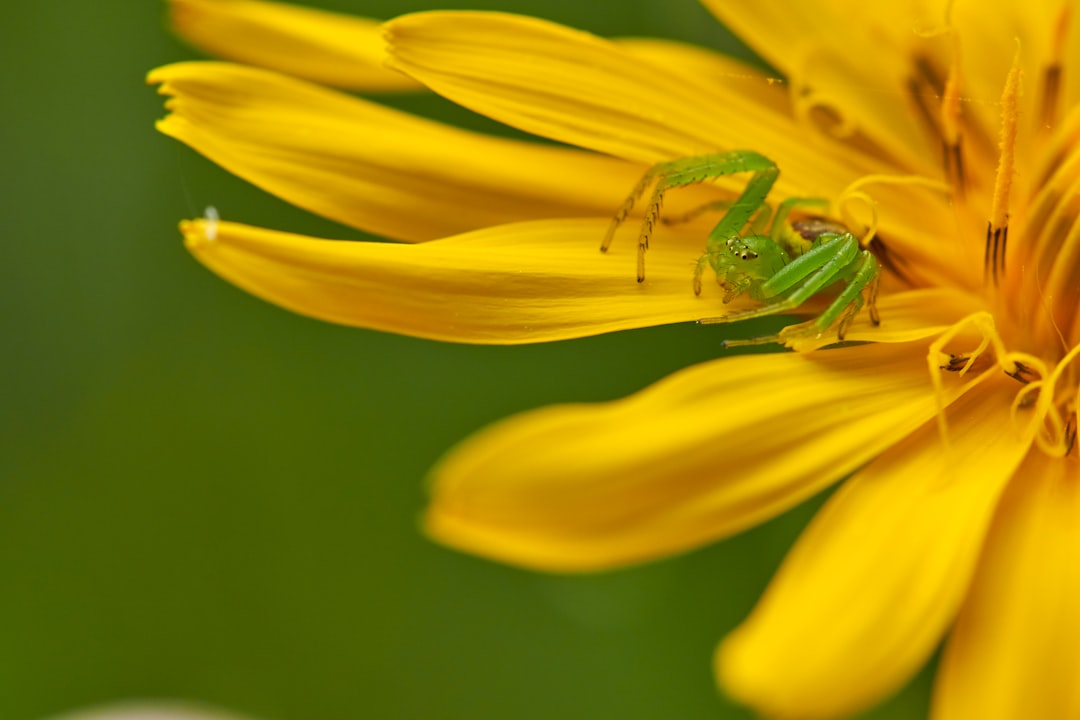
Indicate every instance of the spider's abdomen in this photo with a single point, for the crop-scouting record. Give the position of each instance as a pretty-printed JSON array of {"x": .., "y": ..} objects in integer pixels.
[{"x": 801, "y": 235}]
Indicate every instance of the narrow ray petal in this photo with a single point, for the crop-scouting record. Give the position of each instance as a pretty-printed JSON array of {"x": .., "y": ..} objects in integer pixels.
[
  {"x": 373, "y": 168},
  {"x": 325, "y": 47},
  {"x": 698, "y": 65},
  {"x": 579, "y": 89},
  {"x": 866, "y": 593},
  {"x": 703, "y": 454},
  {"x": 1015, "y": 651},
  {"x": 528, "y": 282}
]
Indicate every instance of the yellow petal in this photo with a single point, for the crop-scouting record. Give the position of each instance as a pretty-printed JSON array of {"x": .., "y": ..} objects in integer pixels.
[
  {"x": 699, "y": 65},
  {"x": 703, "y": 454},
  {"x": 580, "y": 89},
  {"x": 1015, "y": 652},
  {"x": 866, "y": 593},
  {"x": 528, "y": 282},
  {"x": 373, "y": 168},
  {"x": 317, "y": 45}
]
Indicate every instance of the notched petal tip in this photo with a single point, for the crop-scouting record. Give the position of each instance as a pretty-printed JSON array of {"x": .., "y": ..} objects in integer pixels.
[
  {"x": 371, "y": 167},
  {"x": 322, "y": 46}
]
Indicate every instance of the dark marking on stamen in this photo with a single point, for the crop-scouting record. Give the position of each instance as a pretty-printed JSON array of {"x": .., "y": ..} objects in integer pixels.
[
  {"x": 1004, "y": 247},
  {"x": 956, "y": 363},
  {"x": 994, "y": 256},
  {"x": 1021, "y": 373},
  {"x": 928, "y": 72}
]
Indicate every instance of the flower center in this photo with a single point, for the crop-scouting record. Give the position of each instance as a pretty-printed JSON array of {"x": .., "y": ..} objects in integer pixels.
[{"x": 1044, "y": 407}]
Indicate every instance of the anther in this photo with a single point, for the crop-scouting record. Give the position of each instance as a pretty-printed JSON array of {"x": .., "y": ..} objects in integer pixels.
[
  {"x": 997, "y": 229},
  {"x": 1021, "y": 373}
]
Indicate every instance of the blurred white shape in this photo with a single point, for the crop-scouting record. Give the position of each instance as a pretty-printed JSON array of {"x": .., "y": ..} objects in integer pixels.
[
  {"x": 150, "y": 710},
  {"x": 212, "y": 219}
]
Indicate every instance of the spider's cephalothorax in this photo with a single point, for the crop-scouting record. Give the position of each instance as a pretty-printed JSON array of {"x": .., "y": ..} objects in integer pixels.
[{"x": 783, "y": 264}]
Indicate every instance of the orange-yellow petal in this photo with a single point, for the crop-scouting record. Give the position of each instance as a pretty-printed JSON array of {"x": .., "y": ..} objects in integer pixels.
[
  {"x": 580, "y": 89},
  {"x": 700, "y": 455},
  {"x": 867, "y": 592},
  {"x": 321, "y": 46},
  {"x": 782, "y": 33},
  {"x": 853, "y": 60},
  {"x": 1015, "y": 651},
  {"x": 528, "y": 282},
  {"x": 374, "y": 168}
]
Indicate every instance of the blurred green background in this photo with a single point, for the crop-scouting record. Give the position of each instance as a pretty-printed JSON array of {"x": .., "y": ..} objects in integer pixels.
[{"x": 203, "y": 496}]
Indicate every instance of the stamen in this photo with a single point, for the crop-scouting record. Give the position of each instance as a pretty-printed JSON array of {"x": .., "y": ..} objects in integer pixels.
[
  {"x": 1051, "y": 81},
  {"x": 869, "y": 238},
  {"x": 1018, "y": 365},
  {"x": 983, "y": 323},
  {"x": 1021, "y": 373},
  {"x": 1055, "y": 441},
  {"x": 997, "y": 229},
  {"x": 854, "y": 192}
]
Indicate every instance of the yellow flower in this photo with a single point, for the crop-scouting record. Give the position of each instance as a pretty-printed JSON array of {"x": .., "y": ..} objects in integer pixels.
[{"x": 951, "y": 131}]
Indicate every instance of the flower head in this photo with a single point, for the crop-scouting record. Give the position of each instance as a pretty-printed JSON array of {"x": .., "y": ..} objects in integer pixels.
[{"x": 947, "y": 136}]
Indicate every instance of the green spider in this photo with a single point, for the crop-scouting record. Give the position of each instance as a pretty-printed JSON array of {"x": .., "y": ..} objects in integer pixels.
[{"x": 780, "y": 264}]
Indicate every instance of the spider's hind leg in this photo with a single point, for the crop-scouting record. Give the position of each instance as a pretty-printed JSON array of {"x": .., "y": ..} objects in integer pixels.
[{"x": 865, "y": 276}]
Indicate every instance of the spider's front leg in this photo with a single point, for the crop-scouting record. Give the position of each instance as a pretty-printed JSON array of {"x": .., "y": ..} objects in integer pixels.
[
  {"x": 835, "y": 258},
  {"x": 686, "y": 171}
]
